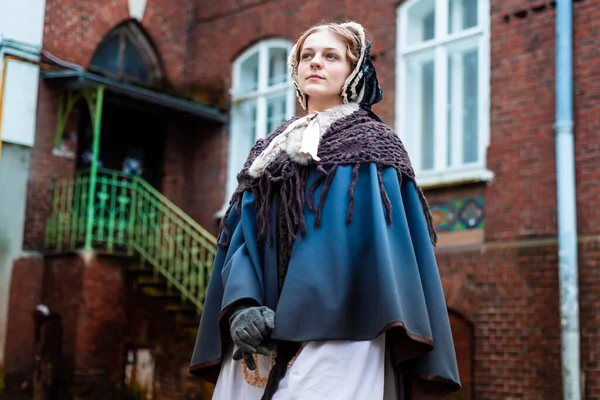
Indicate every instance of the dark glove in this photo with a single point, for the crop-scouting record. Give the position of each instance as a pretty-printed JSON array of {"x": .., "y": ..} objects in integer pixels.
[{"x": 250, "y": 329}]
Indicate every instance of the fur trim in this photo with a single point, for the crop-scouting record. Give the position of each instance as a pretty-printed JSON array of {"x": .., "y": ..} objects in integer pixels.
[
  {"x": 360, "y": 33},
  {"x": 293, "y": 70},
  {"x": 324, "y": 119},
  {"x": 269, "y": 154},
  {"x": 290, "y": 140}
]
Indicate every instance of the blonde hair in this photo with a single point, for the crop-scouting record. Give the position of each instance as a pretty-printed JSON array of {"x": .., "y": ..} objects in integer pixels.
[{"x": 343, "y": 33}]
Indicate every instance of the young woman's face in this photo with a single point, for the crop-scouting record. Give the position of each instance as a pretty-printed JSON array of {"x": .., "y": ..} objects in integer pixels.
[{"x": 323, "y": 68}]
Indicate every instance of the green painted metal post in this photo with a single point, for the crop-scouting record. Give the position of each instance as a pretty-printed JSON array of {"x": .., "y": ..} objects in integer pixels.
[
  {"x": 96, "y": 113},
  {"x": 65, "y": 106},
  {"x": 60, "y": 118}
]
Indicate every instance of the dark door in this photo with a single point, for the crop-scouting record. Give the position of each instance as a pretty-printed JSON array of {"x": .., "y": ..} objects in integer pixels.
[
  {"x": 462, "y": 333},
  {"x": 48, "y": 352}
]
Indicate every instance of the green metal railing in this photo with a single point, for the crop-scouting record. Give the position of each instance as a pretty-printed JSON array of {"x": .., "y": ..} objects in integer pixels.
[{"x": 130, "y": 217}]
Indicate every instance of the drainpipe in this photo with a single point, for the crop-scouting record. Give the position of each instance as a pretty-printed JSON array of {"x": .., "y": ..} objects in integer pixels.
[{"x": 566, "y": 202}]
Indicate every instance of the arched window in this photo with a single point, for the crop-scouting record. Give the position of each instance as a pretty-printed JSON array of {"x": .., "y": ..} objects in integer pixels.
[
  {"x": 443, "y": 87},
  {"x": 127, "y": 54},
  {"x": 262, "y": 97}
]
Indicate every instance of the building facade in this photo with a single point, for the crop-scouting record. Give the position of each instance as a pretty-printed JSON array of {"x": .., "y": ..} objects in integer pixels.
[
  {"x": 17, "y": 134},
  {"x": 166, "y": 99}
]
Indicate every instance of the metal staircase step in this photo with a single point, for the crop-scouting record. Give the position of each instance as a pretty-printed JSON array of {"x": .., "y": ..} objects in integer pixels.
[
  {"x": 191, "y": 331},
  {"x": 146, "y": 280},
  {"x": 140, "y": 270},
  {"x": 180, "y": 309},
  {"x": 160, "y": 294},
  {"x": 187, "y": 321}
]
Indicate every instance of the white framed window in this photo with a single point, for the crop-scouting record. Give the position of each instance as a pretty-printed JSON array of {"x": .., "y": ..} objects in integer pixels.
[
  {"x": 262, "y": 97},
  {"x": 442, "y": 107}
]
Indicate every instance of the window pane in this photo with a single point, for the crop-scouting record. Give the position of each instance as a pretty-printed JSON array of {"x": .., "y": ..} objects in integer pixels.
[
  {"x": 462, "y": 14},
  {"x": 275, "y": 112},
  {"x": 470, "y": 101},
  {"x": 133, "y": 65},
  {"x": 463, "y": 98},
  {"x": 449, "y": 111},
  {"x": 245, "y": 121},
  {"x": 421, "y": 22},
  {"x": 277, "y": 66},
  {"x": 249, "y": 74},
  {"x": 427, "y": 107},
  {"x": 106, "y": 58},
  {"x": 429, "y": 26}
]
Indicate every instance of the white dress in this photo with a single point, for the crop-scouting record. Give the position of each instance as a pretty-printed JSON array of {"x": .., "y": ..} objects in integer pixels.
[{"x": 328, "y": 370}]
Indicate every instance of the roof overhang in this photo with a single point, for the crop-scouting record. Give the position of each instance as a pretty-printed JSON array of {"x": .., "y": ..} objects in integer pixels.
[{"x": 76, "y": 79}]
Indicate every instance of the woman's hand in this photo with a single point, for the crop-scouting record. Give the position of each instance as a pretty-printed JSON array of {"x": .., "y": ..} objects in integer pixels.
[{"x": 250, "y": 330}]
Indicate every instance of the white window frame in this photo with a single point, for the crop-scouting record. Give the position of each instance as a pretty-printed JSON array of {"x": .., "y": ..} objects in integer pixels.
[
  {"x": 261, "y": 96},
  {"x": 438, "y": 49}
]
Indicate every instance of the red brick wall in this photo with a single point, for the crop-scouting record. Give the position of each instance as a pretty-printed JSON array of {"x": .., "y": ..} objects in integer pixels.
[
  {"x": 587, "y": 110},
  {"x": 509, "y": 294},
  {"x": 207, "y": 175},
  {"x": 101, "y": 322},
  {"x": 149, "y": 326},
  {"x": 589, "y": 306},
  {"x": 88, "y": 291},
  {"x": 102, "y": 313},
  {"x": 45, "y": 168},
  {"x": 73, "y": 30},
  {"x": 176, "y": 160},
  {"x": 195, "y": 164},
  {"x": 25, "y": 295},
  {"x": 521, "y": 201},
  {"x": 63, "y": 282}
]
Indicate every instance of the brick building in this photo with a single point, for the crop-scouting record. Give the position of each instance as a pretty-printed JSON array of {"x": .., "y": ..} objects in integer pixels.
[{"x": 184, "y": 87}]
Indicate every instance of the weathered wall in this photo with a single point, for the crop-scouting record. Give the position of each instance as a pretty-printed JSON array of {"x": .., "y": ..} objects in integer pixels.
[{"x": 17, "y": 136}]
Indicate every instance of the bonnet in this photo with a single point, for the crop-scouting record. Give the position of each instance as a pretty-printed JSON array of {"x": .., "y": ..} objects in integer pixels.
[{"x": 360, "y": 87}]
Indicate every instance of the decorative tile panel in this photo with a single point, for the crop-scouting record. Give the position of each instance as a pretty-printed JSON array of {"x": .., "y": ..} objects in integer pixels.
[{"x": 458, "y": 215}]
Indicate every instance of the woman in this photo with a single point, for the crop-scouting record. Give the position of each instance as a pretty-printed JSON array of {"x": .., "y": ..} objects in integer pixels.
[{"x": 325, "y": 285}]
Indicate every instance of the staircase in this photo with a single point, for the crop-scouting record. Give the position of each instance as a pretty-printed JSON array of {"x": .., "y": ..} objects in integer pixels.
[{"x": 171, "y": 255}]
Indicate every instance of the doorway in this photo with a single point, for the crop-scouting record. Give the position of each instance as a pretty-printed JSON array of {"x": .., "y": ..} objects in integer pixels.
[
  {"x": 464, "y": 344},
  {"x": 132, "y": 140}
]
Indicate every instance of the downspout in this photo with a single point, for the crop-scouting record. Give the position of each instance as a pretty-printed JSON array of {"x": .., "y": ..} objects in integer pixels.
[{"x": 566, "y": 203}]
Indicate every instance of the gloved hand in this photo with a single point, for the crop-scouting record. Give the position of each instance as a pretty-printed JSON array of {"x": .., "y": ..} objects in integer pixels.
[{"x": 250, "y": 329}]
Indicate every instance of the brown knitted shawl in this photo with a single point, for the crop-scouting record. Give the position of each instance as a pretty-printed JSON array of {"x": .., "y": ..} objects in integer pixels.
[{"x": 352, "y": 140}]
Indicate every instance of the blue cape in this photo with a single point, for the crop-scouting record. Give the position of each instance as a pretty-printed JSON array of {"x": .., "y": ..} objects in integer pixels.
[{"x": 344, "y": 282}]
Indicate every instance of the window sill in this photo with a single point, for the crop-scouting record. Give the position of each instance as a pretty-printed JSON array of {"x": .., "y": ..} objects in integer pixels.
[{"x": 443, "y": 179}]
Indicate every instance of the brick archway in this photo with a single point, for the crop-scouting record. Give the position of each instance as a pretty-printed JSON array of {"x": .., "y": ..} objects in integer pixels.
[
  {"x": 464, "y": 345},
  {"x": 461, "y": 295},
  {"x": 127, "y": 53},
  {"x": 462, "y": 298}
]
